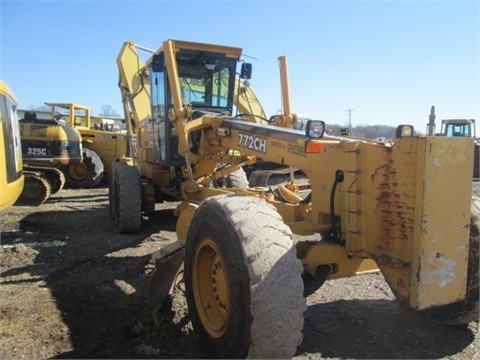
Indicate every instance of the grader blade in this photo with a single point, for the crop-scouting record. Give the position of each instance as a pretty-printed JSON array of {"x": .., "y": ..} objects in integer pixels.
[{"x": 168, "y": 272}]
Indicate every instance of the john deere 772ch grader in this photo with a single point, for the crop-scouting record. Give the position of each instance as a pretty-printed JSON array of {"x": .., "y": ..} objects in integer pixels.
[{"x": 249, "y": 255}]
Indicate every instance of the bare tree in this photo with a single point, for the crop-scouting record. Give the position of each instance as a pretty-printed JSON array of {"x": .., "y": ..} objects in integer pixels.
[{"x": 107, "y": 110}]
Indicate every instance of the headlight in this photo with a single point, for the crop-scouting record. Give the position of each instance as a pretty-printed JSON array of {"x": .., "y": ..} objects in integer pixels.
[{"x": 315, "y": 129}]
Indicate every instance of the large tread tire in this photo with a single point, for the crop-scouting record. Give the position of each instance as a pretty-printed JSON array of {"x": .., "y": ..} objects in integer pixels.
[
  {"x": 91, "y": 177},
  {"x": 128, "y": 200},
  {"x": 466, "y": 311},
  {"x": 237, "y": 179},
  {"x": 112, "y": 178},
  {"x": 243, "y": 280}
]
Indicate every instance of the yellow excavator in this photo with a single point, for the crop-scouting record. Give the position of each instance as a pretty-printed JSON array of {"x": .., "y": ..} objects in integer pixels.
[
  {"x": 249, "y": 256},
  {"x": 48, "y": 146},
  {"x": 11, "y": 175},
  {"x": 102, "y": 146}
]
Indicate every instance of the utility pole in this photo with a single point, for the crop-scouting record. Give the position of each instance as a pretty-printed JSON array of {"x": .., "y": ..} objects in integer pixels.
[{"x": 350, "y": 118}]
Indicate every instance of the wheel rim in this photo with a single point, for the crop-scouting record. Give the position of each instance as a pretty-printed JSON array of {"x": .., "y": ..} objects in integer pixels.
[
  {"x": 210, "y": 288},
  {"x": 77, "y": 171}
]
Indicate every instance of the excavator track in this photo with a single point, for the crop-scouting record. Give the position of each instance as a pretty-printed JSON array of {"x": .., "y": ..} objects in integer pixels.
[
  {"x": 36, "y": 189},
  {"x": 53, "y": 175}
]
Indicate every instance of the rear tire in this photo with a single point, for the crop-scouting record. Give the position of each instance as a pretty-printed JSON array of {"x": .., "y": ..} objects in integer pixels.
[
  {"x": 88, "y": 174},
  {"x": 112, "y": 178},
  {"x": 237, "y": 179},
  {"x": 128, "y": 200},
  {"x": 243, "y": 280}
]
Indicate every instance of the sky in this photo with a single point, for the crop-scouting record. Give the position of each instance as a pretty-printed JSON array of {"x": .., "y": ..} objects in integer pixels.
[{"x": 368, "y": 62}]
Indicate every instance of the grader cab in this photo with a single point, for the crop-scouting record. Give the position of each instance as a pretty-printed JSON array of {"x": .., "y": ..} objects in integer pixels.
[{"x": 250, "y": 255}]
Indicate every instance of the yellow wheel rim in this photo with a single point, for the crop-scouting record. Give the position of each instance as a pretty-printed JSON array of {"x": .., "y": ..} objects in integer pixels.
[
  {"x": 77, "y": 171},
  {"x": 210, "y": 288}
]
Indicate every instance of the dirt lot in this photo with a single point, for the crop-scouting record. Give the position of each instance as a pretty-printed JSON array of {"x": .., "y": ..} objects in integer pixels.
[{"x": 71, "y": 287}]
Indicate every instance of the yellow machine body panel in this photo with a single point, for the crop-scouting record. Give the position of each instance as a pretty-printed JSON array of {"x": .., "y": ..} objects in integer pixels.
[
  {"x": 389, "y": 205},
  {"x": 11, "y": 177},
  {"x": 50, "y": 143},
  {"x": 109, "y": 145}
]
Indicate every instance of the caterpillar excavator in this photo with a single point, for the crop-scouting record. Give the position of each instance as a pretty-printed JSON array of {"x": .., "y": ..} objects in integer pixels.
[
  {"x": 11, "y": 168},
  {"x": 48, "y": 146},
  {"x": 101, "y": 145},
  {"x": 249, "y": 256}
]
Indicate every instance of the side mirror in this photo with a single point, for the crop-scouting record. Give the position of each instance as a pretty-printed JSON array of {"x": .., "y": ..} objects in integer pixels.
[
  {"x": 246, "y": 71},
  {"x": 158, "y": 63},
  {"x": 404, "y": 131},
  {"x": 315, "y": 129}
]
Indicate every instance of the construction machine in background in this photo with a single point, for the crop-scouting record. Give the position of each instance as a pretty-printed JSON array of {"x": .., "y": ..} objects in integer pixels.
[
  {"x": 464, "y": 128},
  {"x": 249, "y": 255},
  {"x": 457, "y": 128},
  {"x": 48, "y": 147},
  {"x": 102, "y": 144},
  {"x": 11, "y": 175}
]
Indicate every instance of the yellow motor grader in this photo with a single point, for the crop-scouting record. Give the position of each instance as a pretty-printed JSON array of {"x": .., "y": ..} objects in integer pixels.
[
  {"x": 250, "y": 255},
  {"x": 11, "y": 175}
]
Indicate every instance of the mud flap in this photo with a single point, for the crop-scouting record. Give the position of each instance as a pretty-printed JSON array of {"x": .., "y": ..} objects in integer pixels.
[{"x": 168, "y": 272}]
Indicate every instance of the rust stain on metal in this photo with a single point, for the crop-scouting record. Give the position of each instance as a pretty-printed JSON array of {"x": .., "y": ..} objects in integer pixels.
[{"x": 395, "y": 205}]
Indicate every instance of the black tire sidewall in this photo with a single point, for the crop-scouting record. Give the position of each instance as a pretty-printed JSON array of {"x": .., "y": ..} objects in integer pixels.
[
  {"x": 94, "y": 174},
  {"x": 128, "y": 202}
]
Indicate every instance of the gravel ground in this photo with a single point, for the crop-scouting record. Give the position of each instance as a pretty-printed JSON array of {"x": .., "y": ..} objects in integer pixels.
[{"x": 71, "y": 287}]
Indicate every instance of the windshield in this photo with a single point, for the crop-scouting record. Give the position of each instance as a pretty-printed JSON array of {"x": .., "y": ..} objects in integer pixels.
[
  {"x": 207, "y": 79},
  {"x": 458, "y": 130}
]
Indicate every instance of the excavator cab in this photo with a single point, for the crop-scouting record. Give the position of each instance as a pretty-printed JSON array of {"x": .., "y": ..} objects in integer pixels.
[{"x": 11, "y": 164}]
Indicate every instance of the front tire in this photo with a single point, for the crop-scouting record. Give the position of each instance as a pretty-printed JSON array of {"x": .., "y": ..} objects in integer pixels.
[
  {"x": 128, "y": 200},
  {"x": 243, "y": 280},
  {"x": 112, "y": 178}
]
